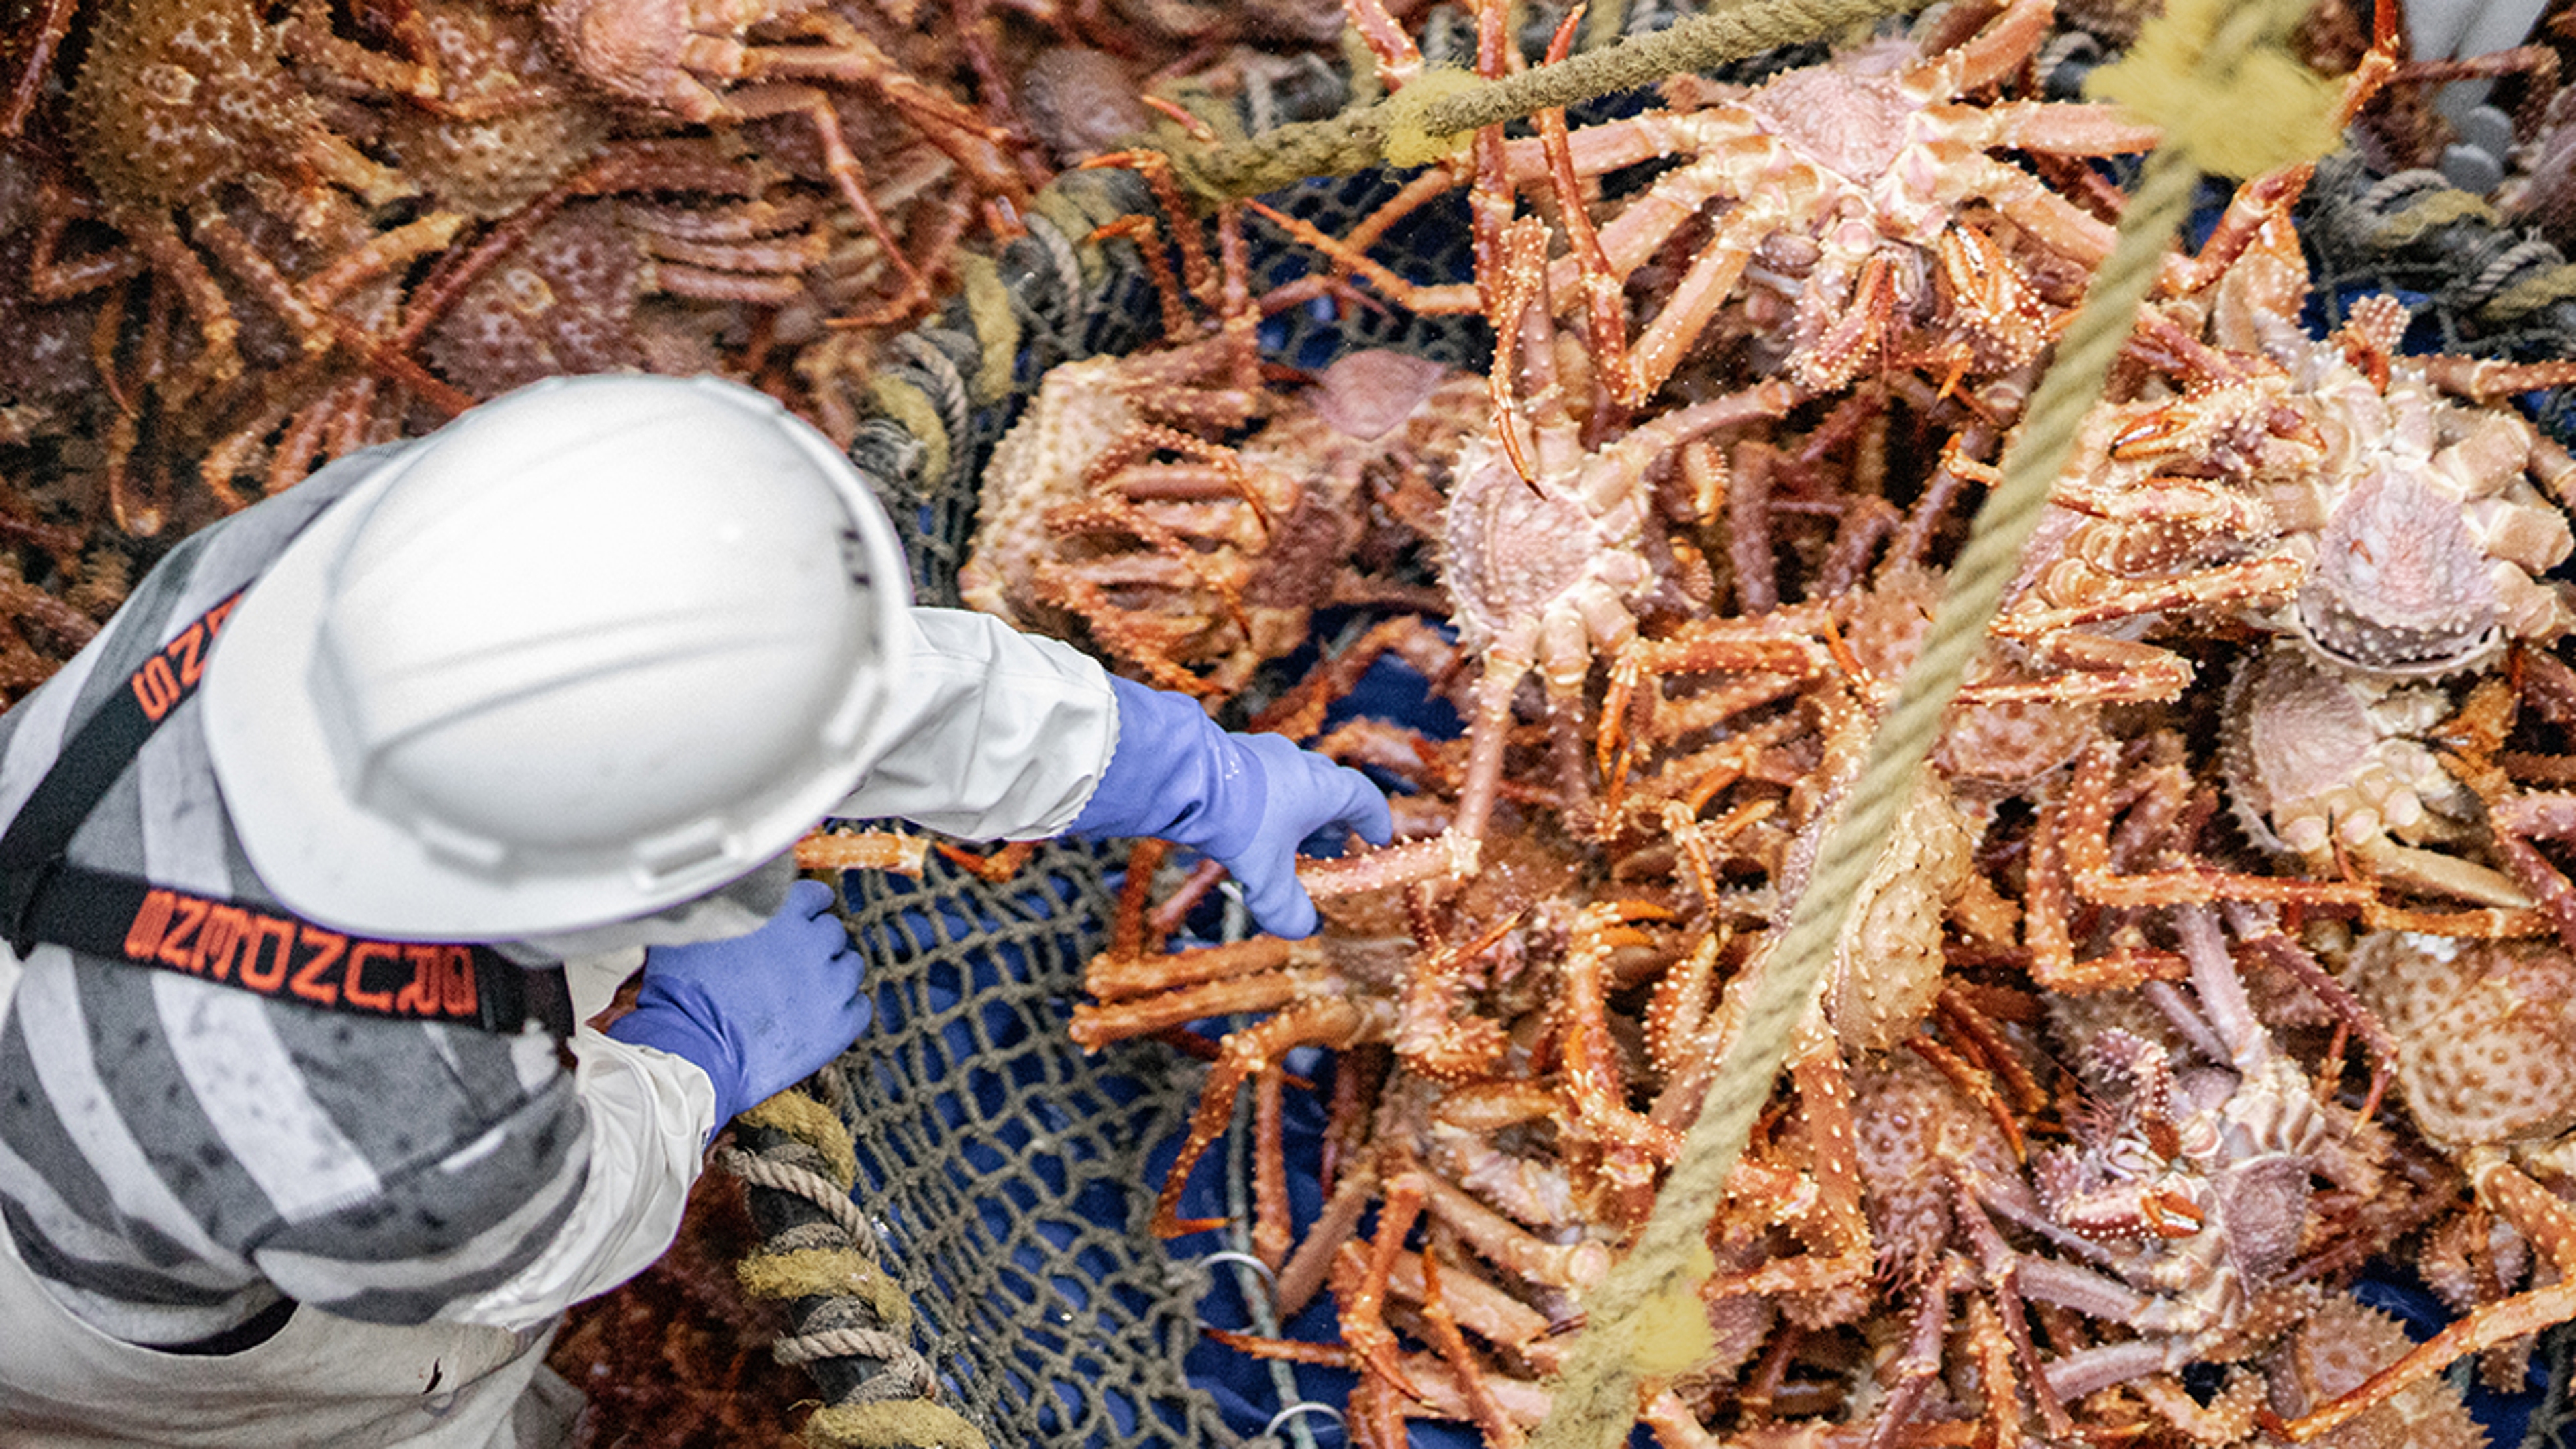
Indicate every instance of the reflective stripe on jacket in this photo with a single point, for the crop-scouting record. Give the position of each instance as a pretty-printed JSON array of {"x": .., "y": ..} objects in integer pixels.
[{"x": 175, "y": 1154}]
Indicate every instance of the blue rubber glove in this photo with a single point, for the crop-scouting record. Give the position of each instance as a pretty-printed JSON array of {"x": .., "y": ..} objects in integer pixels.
[
  {"x": 1246, "y": 800},
  {"x": 757, "y": 1013}
]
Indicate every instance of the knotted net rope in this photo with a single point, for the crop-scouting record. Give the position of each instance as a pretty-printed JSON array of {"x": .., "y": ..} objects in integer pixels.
[
  {"x": 1441, "y": 109},
  {"x": 849, "y": 1310}
]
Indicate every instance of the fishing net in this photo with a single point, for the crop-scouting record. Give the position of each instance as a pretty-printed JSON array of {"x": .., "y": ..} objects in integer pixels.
[
  {"x": 2476, "y": 286},
  {"x": 1004, "y": 1178},
  {"x": 983, "y": 1186}
]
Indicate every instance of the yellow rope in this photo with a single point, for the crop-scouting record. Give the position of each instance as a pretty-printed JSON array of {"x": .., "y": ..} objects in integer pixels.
[
  {"x": 1410, "y": 132},
  {"x": 828, "y": 1273},
  {"x": 1729, "y": 32},
  {"x": 2529, "y": 295},
  {"x": 893, "y": 1424},
  {"x": 1596, "y": 1397},
  {"x": 996, "y": 326},
  {"x": 817, "y": 1126},
  {"x": 913, "y": 408}
]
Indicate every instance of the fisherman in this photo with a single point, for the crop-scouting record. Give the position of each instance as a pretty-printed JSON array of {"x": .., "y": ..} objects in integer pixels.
[{"x": 315, "y": 856}]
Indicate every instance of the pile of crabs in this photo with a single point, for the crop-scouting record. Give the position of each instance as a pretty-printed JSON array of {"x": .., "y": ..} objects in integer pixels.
[
  {"x": 241, "y": 238},
  {"x": 2222, "y": 950}
]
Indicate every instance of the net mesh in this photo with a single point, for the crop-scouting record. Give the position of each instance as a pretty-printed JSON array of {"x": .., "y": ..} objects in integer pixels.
[
  {"x": 1001, "y": 1167},
  {"x": 1007, "y": 1176}
]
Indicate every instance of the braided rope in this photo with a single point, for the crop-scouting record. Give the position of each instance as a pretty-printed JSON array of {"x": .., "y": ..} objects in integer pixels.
[
  {"x": 806, "y": 1183},
  {"x": 1729, "y": 33},
  {"x": 892, "y": 1407},
  {"x": 1652, "y": 1294},
  {"x": 1417, "y": 123},
  {"x": 906, "y": 1368}
]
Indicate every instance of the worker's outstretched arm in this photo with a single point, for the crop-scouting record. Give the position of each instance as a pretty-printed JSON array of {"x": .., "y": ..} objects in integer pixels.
[
  {"x": 1245, "y": 799},
  {"x": 1009, "y": 735},
  {"x": 991, "y": 734}
]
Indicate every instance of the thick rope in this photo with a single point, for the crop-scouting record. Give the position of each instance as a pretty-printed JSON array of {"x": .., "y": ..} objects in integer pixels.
[
  {"x": 1443, "y": 108},
  {"x": 893, "y": 1407},
  {"x": 805, "y": 1183},
  {"x": 825, "y": 1272},
  {"x": 1654, "y": 1289},
  {"x": 914, "y": 1376},
  {"x": 899, "y": 1424},
  {"x": 793, "y": 1114},
  {"x": 1732, "y": 32}
]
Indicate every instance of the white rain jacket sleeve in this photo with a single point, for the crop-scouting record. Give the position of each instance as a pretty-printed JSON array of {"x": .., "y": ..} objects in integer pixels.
[
  {"x": 994, "y": 734},
  {"x": 650, "y": 1115}
]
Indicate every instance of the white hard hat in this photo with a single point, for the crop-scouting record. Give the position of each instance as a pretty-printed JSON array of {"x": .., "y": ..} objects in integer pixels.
[{"x": 596, "y": 647}]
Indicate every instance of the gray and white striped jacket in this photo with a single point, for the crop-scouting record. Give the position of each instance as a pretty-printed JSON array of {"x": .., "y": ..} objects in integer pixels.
[{"x": 176, "y": 1155}]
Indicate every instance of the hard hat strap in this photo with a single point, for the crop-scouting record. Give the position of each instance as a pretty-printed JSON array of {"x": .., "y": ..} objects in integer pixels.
[{"x": 44, "y": 897}]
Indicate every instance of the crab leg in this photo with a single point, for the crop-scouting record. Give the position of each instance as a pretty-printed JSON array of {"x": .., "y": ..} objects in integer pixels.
[
  {"x": 1317, "y": 1018},
  {"x": 1360, "y": 1283},
  {"x": 2087, "y": 822},
  {"x": 2543, "y": 1219}
]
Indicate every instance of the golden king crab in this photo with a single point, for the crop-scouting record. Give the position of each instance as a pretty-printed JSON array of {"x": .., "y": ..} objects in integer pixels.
[
  {"x": 215, "y": 131},
  {"x": 1846, "y": 186},
  {"x": 2192, "y": 1187},
  {"x": 2483, "y": 1033},
  {"x": 176, "y": 104},
  {"x": 1189, "y": 518},
  {"x": 725, "y": 62},
  {"x": 1371, "y": 975},
  {"x": 2318, "y": 760},
  {"x": 1551, "y": 543},
  {"x": 2424, "y": 524},
  {"x": 2425, "y": 516}
]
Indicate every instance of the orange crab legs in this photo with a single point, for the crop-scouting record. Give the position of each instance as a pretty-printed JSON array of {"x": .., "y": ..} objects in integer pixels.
[{"x": 2541, "y": 1217}]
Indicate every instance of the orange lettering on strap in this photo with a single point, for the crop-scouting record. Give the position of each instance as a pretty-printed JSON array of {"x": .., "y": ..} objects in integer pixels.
[
  {"x": 420, "y": 997},
  {"x": 273, "y": 975},
  {"x": 156, "y": 688},
  {"x": 184, "y": 649},
  {"x": 227, "y": 927},
  {"x": 178, "y": 948},
  {"x": 143, "y": 938},
  {"x": 216, "y": 616},
  {"x": 308, "y": 982},
  {"x": 351, "y": 980},
  {"x": 461, "y": 1002}
]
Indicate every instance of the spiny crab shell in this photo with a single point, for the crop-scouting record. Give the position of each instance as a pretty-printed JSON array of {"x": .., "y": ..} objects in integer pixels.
[
  {"x": 1557, "y": 560},
  {"x": 1985, "y": 748},
  {"x": 1888, "y": 966},
  {"x": 2342, "y": 1344},
  {"x": 2485, "y": 1032},
  {"x": 2313, "y": 754},
  {"x": 2425, "y": 541}
]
